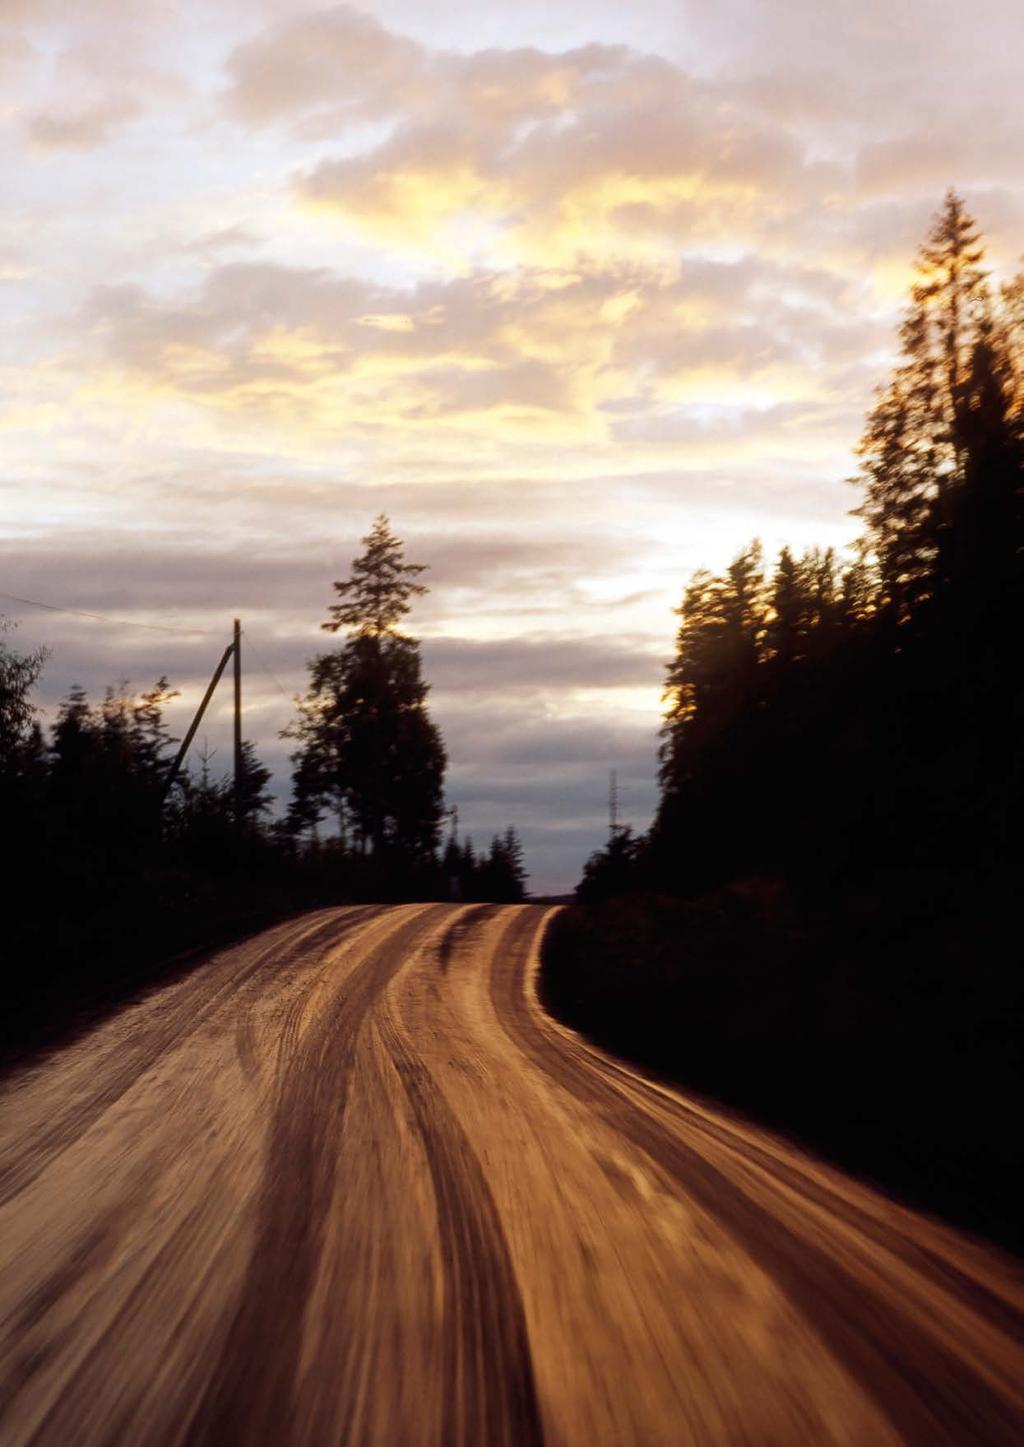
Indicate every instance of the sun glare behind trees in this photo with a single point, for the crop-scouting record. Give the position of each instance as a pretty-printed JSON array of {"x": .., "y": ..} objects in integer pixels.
[{"x": 826, "y": 714}]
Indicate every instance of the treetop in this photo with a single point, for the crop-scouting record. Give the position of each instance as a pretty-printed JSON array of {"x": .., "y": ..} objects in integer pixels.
[{"x": 377, "y": 594}]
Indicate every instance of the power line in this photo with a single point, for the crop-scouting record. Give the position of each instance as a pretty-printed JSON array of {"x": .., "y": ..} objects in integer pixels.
[
  {"x": 152, "y": 628},
  {"x": 267, "y": 670},
  {"x": 103, "y": 618}
]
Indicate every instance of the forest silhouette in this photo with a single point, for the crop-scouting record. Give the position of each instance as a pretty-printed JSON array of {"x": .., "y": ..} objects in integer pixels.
[
  {"x": 821, "y": 924},
  {"x": 115, "y": 869}
]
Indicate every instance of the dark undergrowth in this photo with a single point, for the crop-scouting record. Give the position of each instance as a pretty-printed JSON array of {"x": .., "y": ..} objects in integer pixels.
[
  {"x": 70, "y": 972},
  {"x": 878, "y": 1024}
]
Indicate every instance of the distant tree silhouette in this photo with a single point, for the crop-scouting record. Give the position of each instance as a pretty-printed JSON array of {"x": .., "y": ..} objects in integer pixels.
[
  {"x": 254, "y": 798},
  {"x": 367, "y": 744},
  {"x": 22, "y": 777},
  {"x": 515, "y": 862},
  {"x": 108, "y": 877},
  {"x": 612, "y": 870},
  {"x": 887, "y": 686},
  {"x": 452, "y": 868},
  {"x": 912, "y": 452},
  {"x": 501, "y": 876},
  {"x": 981, "y": 557},
  {"x": 18, "y": 675},
  {"x": 788, "y": 624}
]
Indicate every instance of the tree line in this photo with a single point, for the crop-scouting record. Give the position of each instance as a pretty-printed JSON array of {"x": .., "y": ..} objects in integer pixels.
[
  {"x": 832, "y": 716},
  {"x": 113, "y": 867},
  {"x": 815, "y": 928}
]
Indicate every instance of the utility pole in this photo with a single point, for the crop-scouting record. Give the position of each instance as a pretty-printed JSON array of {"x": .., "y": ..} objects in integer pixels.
[
  {"x": 237, "y": 645},
  {"x": 233, "y": 650}
]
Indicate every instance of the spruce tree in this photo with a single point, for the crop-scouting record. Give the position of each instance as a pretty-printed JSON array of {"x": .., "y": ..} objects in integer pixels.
[
  {"x": 367, "y": 743},
  {"x": 254, "y": 799},
  {"x": 912, "y": 451},
  {"x": 18, "y": 675},
  {"x": 787, "y": 624}
]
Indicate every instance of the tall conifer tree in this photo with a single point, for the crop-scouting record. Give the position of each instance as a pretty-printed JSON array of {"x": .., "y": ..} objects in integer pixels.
[
  {"x": 367, "y": 743},
  {"x": 912, "y": 452}
]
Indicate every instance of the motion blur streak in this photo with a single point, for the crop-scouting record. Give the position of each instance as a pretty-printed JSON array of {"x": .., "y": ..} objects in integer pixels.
[{"x": 348, "y": 1184}]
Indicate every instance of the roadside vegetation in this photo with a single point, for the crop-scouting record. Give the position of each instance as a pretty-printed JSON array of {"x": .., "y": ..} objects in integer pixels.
[
  {"x": 112, "y": 871},
  {"x": 821, "y": 925}
]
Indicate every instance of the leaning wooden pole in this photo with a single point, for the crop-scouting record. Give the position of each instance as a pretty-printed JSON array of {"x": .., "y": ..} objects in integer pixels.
[{"x": 187, "y": 741}]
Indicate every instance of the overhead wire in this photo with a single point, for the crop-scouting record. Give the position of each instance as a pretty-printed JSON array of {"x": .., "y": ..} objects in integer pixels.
[
  {"x": 178, "y": 631},
  {"x": 104, "y": 618},
  {"x": 265, "y": 668}
]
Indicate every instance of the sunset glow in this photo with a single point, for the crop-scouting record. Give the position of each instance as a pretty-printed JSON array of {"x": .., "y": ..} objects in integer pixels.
[{"x": 583, "y": 297}]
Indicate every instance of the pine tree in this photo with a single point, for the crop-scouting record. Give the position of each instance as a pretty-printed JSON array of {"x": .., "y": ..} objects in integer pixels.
[
  {"x": 951, "y": 295},
  {"x": 367, "y": 743},
  {"x": 786, "y": 628},
  {"x": 1012, "y": 317},
  {"x": 858, "y": 598},
  {"x": 613, "y": 870},
  {"x": 501, "y": 875},
  {"x": 984, "y": 556},
  {"x": 452, "y": 868},
  {"x": 23, "y": 772},
  {"x": 75, "y": 740},
  {"x": 18, "y": 675},
  {"x": 376, "y": 596},
  {"x": 150, "y": 738},
  {"x": 254, "y": 799},
  {"x": 912, "y": 452},
  {"x": 516, "y": 862},
  {"x": 720, "y": 640}
]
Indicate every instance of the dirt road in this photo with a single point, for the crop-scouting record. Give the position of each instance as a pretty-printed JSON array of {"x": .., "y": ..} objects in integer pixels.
[{"x": 347, "y": 1184}]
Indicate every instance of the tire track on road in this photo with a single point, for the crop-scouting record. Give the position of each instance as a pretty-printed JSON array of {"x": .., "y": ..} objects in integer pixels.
[
  {"x": 372, "y": 1195},
  {"x": 348, "y": 922},
  {"x": 251, "y": 1396},
  {"x": 932, "y": 1397},
  {"x": 456, "y": 934},
  {"x": 489, "y": 1393},
  {"x": 68, "y": 1418},
  {"x": 888, "y": 1236},
  {"x": 140, "y": 1053}
]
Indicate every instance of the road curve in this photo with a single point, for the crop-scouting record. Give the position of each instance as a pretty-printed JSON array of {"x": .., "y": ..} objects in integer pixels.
[{"x": 346, "y": 1183}]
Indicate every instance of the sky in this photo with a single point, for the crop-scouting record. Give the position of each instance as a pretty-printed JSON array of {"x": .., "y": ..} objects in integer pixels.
[{"x": 583, "y": 295}]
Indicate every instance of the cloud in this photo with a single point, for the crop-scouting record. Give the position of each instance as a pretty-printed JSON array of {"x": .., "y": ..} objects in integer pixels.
[
  {"x": 81, "y": 130},
  {"x": 220, "y": 239},
  {"x": 92, "y": 75},
  {"x": 597, "y": 355},
  {"x": 340, "y": 62},
  {"x": 595, "y": 152},
  {"x": 927, "y": 161},
  {"x": 565, "y": 150},
  {"x": 584, "y": 297},
  {"x": 192, "y": 578},
  {"x": 503, "y": 665},
  {"x": 604, "y": 151},
  {"x": 15, "y": 51}
]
